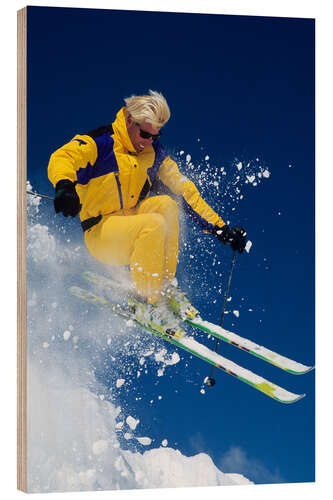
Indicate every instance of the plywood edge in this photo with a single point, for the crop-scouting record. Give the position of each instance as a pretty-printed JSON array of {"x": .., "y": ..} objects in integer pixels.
[{"x": 21, "y": 249}]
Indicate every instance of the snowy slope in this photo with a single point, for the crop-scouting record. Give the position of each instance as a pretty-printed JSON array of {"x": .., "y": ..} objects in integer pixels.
[
  {"x": 66, "y": 453},
  {"x": 75, "y": 423},
  {"x": 166, "y": 467}
]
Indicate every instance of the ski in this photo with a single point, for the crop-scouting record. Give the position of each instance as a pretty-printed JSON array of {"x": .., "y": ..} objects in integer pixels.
[
  {"x": 217, "y": 331},
  {"x": 259, "y": 351},
  {"x": 195, "y": 348}
]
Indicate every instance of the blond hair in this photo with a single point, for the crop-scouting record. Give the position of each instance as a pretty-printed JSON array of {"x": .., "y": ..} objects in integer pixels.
[{"x": 151, "y": 108}]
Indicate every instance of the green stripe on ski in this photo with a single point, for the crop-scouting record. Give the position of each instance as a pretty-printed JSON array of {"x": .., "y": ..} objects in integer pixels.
[{"x": 193, "y": 347}]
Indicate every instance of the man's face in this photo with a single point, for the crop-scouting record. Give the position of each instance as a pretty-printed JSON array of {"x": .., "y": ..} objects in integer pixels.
[{"x": 133, "y": 130}]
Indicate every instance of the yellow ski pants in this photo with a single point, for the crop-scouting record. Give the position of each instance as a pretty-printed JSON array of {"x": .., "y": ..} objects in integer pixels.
[{"x": 145, "y": 238}]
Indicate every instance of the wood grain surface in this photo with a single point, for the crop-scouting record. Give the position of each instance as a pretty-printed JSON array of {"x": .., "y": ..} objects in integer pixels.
[{"x": 21, "y": 249}]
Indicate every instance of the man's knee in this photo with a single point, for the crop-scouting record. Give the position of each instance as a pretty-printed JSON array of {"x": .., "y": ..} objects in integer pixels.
[
  {"x": 169, "y": 204},
  {"x": 157, "y": 223}
]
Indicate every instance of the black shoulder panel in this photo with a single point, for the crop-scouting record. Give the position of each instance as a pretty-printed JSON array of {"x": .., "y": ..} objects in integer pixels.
[{"x": 97, "y": 132}]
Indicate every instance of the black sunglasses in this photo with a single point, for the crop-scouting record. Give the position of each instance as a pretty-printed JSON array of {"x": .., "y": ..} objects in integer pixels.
[{"x": 147, "y": 135}]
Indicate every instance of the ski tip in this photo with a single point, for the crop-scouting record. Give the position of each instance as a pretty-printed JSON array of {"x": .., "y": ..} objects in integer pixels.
[
  {"x": 305, "y": 369},
  {"x": 297, "y": 398}
]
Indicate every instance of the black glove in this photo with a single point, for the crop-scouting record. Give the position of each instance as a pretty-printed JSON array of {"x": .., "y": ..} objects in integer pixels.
[
  {"x": 66, "y": 199},
  {"x": 233, "y": 236}
]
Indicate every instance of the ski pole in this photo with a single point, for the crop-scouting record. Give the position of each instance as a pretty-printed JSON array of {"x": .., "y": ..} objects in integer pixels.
[
  {"x": 43, "y": 196},
  {"x": 40, "y": 195},
  {"x": 210, "y": 381}
]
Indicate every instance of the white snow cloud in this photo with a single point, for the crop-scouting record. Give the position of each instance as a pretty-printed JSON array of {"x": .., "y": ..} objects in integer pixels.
[{"x": 237, "y": 460}]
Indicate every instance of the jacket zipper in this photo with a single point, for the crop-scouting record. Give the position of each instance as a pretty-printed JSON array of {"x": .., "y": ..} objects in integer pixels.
[{"x": 119, "y": 190}]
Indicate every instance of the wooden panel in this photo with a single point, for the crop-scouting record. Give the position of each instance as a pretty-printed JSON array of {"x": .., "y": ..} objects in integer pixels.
[{"x": 21, "y": 249}]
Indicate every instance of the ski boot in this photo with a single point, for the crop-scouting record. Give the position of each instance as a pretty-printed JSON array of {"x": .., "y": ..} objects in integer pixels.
[
  {"x": 179, "y": 302},
  {"x": 155, "y": 316}
]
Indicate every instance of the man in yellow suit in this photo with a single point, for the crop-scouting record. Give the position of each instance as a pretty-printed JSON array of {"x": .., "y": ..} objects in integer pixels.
[{"x": 107, "y": 175}]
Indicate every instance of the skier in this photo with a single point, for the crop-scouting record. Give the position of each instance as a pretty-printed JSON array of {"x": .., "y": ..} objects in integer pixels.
[{"x": 108, "y": 175}]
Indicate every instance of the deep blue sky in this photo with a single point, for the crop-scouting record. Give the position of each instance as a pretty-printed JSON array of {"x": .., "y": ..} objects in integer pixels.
[{"x": 245, "y": 87}]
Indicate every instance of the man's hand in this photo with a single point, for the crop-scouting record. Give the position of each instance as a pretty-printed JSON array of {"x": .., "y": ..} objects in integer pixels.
[
  {"x": 233, "y": 236},
  {"x": 66, "y": 199}
]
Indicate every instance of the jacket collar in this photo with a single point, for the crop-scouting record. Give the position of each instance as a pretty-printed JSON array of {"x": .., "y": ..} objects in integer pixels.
[{"x": 120, "y": 130}]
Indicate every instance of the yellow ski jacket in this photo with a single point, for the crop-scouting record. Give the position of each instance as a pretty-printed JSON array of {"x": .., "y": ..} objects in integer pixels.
[{"x": 112, "y": 178}]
